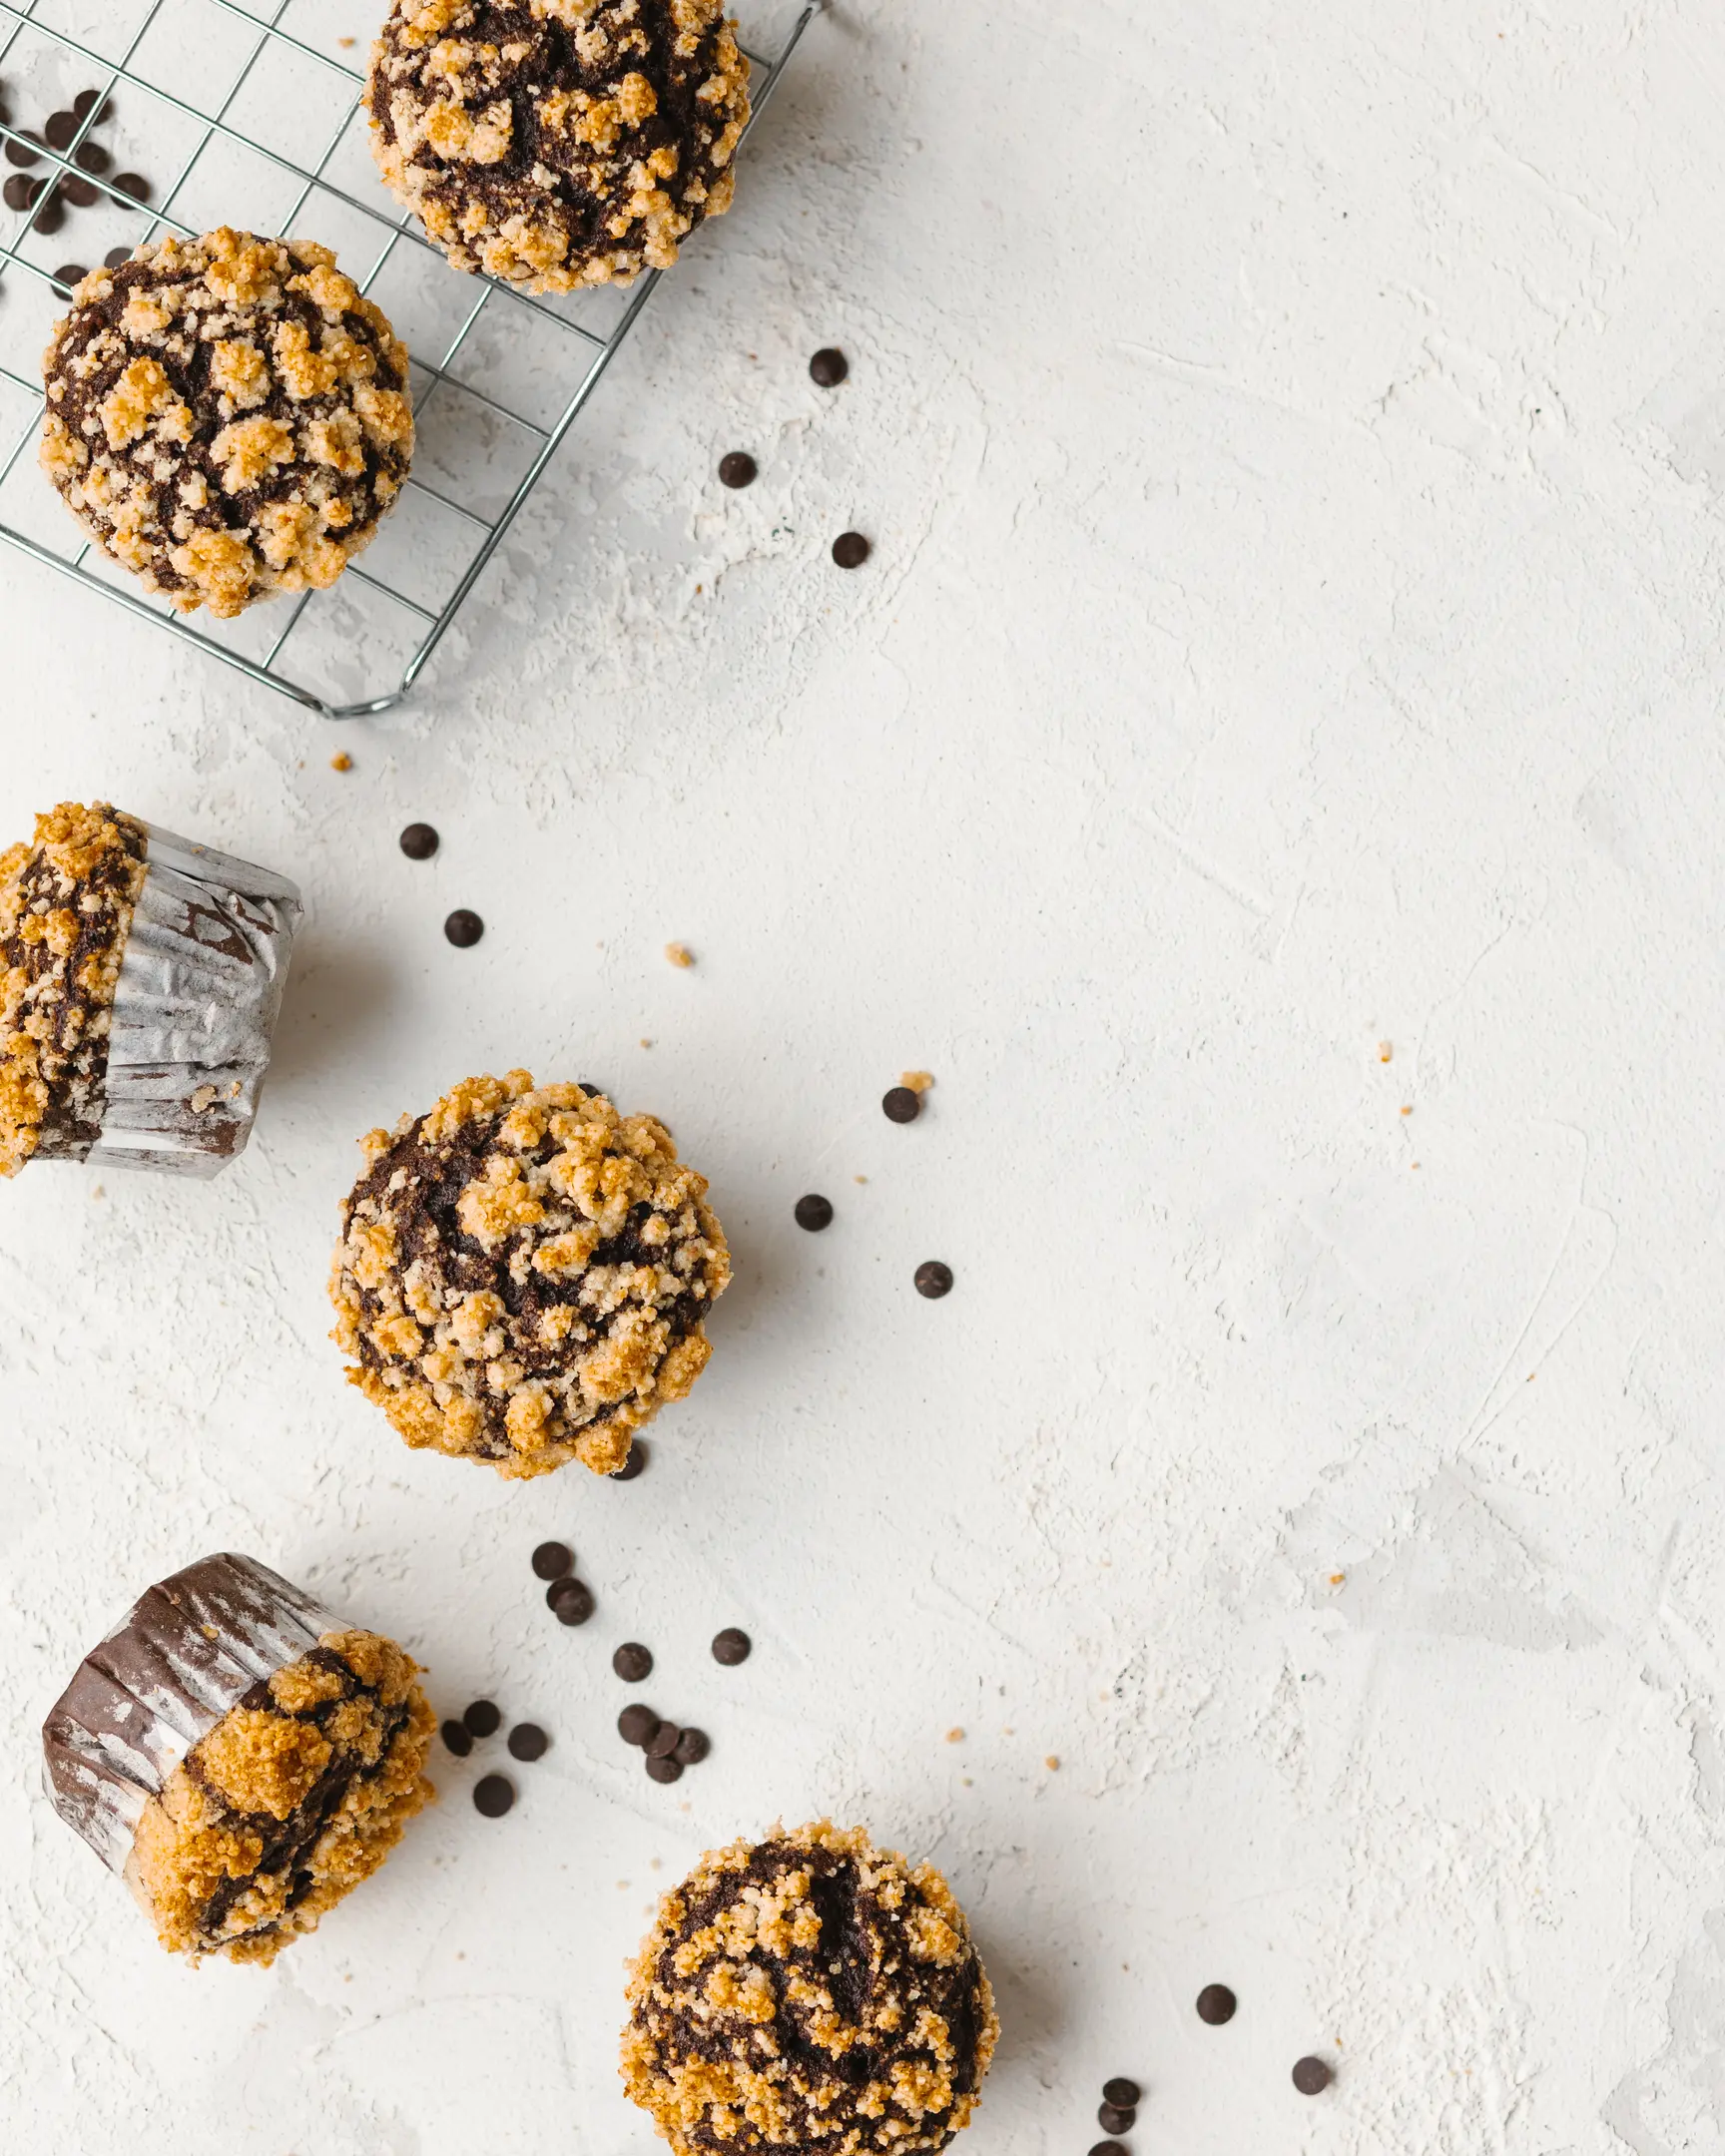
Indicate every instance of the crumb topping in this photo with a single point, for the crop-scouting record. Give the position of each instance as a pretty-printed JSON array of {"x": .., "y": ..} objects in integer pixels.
[
  {"x": 66, "y": 903},
  {"x": 296, "y": 1794},
  {"x": 808, "y": 1992},
  {"x": 558, "y": 143},
  {"x": 227, "y": 416},
  {"x": 523, "y": 1276}
]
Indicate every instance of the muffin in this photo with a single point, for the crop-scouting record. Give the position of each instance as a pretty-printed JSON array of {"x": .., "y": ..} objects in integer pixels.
[
  {"x": 523, "y": 1276},
  {"x": 227, "y": 416},
  {"x": 558, "y": 143},
  {"x": 139, "y": 980},
  {"x": 805, "y": 1992},
  {"x": 240, "y": 1757}
]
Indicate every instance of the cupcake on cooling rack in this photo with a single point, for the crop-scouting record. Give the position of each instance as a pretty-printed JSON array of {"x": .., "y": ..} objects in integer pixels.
[
  {"x": 240, "y": 1757},
  {"x": 558, "y": 143},
  {"x": 523, "y": 1276},
  {"x": 808, "y": 1991},
  {"x": 227, "y": 416},
  {"x": 139, "y": 979}
]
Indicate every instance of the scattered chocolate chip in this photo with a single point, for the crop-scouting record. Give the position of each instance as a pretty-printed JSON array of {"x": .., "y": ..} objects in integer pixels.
[
  {"x": 851, "y": 550},
  {"x": 527, "y": 1741},
  {"x": 60, "y": 128},
  {"x": 20, "y": 152},
  {"x": 738, "y": 469},
  {"x": 457, "y": 1739},
  {"x": 70, "y": 273},
  {"x": 828, "y": 366},
  {"x": 1108, "y": 2148},
  {"x": 900, "y": 1104},
  {"x": 81, "y": 194},
  {"x": 1121, "y": 2093},
  {"x": 813, "y": 1212},
  {"x": 1116, "y": 2118},
  {"x": 485, "y": 1717},
  {"x": 493, "y": 1795},
  {"x": 18, "y": 192},
  {"x": 570, "y": 1601},
  {"x": 49, "y": 216},
  {"x": 693, "y": 1747},
  {"x": 419, "y": 842},
  {"x": 933, "y": 1279},
  {"x": 463, "y": 928},
  {"x": 134, "y": 185},
  {"x": 552, "y": 1559},
  {"x": 633, "y": 1466},
  {"x": 636, "y": 1723},
  {"x": 1311, "y": 2077},
  {"x": 731, "y": 1646},
  {"x": 665, "y": 1770},
  {"x": 1216, "y": 2004},
  {"x": 115, "y": 256},
  {"x": 664, "y": 1741},
  {"x": 632, "y": 1662},
  {"x": 91, "y": 156},
  {"x": 86, "y": 101}
]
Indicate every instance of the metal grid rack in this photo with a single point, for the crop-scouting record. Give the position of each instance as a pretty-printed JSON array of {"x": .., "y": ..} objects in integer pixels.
[{"x": 267, "y": 86}]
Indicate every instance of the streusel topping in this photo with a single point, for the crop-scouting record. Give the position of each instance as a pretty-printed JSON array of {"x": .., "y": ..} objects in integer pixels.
[
  {"x": 66, "y": 903},
  {"x": 228, "y": 417},
  {"x": 558, "y": 143},
  {"x": 523, "y": 1274},
  {"x": 808, "y": 1992}
]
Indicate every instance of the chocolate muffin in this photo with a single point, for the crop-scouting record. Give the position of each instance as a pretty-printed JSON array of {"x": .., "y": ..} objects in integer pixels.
[
  {"x": 523, "y": 1276},
  {"x": 227, "y": 416},
  {"x": 241, "y": 1758},
  {"x": 808, "y": 1991},
  {"x": 139, "y": 980},
  {"x": 558, "y": 143}
]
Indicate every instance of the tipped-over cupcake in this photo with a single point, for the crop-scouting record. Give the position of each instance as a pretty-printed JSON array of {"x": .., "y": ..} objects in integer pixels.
[
  {"x": 240, "y": 1757},
  {"x": 524, "y": 1274},
  {"x": 805, "y": 1992},
  {"x": 227, "y": 416},
  {"x": 558, "y": 143},
  {"x": 139, "y": 980}
]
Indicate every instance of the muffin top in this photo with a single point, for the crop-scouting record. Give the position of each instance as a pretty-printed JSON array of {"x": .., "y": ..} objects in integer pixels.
[
  {"x": 558, "y": 143},
  {"x": 228, "y": 417},
  {"x": 523, "y": 1273},
  {"x": 808, "y": 1991},
  {"x": 66, "y": 902}
]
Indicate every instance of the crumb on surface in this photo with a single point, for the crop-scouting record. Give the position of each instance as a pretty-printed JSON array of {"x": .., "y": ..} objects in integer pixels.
[
  {"x": 1383, "y": 1051},
  {"x": 1052, "y": 1762},
  {"x": 341, "y": 760},
  {"x": 954, "y": 1736},
  {"x": 680, "y": 954},
  {"x": 918, "y": 1081}
]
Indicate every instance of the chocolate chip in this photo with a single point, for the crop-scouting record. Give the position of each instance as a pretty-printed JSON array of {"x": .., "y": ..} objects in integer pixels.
[
  {"x": 692, "y": 1747},
  {"x": 1116, "y": 2118},
  {"x": 552, "y": 1559},
  {"x": 1216, "y": 2004},
  {"x": 731, "y": 1645},
  {"x": 20, "y": 152},
  {"x": 70, "y": 273},
  {"x": 134, "y": 185},
  {"x": 86, "y": 101},
  {"x": 665, "y": 1770},
  {"x": 664, "y": 1741},
  {"x": 485, "y": 1717},
  {"x": 18, "y": 192},
  {"x": 527, "y": 1741},
  {"x": 1121, "y": 2093},
  {"x": 633, "y": 1466},
  {"x": 1108, "y": 2148},
  {"x": 91, "y": 156},
  {"x": 419, "y": 842},
  {"x": 813, "y": 1212},
  {"x": 901, "y": 1104},
  {"x": 632, "y": 1662},
  {"x": 493, "y": 1795},
  {"x": 463, "y": 928},
  {"x": 115, "y": 256},
  {"x": 80, "y": 193},
  {"x": 828, "y": 366},
  {"x": 1311, "y": 2077},
  {"x": 570, "y": 1601},
  {"x": 51, "y": 215},
  {"x": 457, "y": 1739},
  {"x": 60, "y": 128},
  {"x": 738, "y": 469},
  {"x": 933, "y": 1279},
  {"x": 636, "y": 1723},
  {"x": 851, "y": 550}
]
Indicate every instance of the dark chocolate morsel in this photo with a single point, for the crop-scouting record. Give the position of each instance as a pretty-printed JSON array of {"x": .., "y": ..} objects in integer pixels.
[
  {"x": 133, "y": 184},
  {"x": 1311, "y": 2077},
  {"x": 663, "y": 1741},
  {"x": 485, "y": 1717},
  {"x": 1216, "y": 2004},
  {"x": 632, "y": 1662},
  {"x": 851, "y": 550},
  {"x": 70, "y": 273},
  {"x": 813, "y": 1212},
  {"x": 552, "y": 1559},
  {"x": 693, "y": 1747},
  {"x": 51, "y": 215},
  {"x": 933, "y": 1279},
  {"x": 20, "y": 152},
  {"x": 419, "y": 842},
  {"x": 91, "y": 156},
  {"x": 81, "y": 194},
  {"x": 665, "y": 1770},
  {"x": 1121, "y": 2093},
  {"x": 457, "y": 1737},
  {"x": 570, "y": 1600},
  {"x": 828, "y": 366},
  {"x": 463, "y": 928},
  {"x": 633, "y": 1466},
  {"x": 86, "y": 101},
  {"x": 1116, "y": 2118},
  {"x": 901, "y": 1104},
  {"x": 60, "y": 128},
  {"x": 527, "y": 1741},
  {"x": 636, "y": 1723},
  {"x": 115, "y": 256},
  {"x": 493, "y": 1795},
  {"x": 731, "y": 1646},
  {"x": 1108, "y": 2148},
  {"x": 738, "y": 469}
]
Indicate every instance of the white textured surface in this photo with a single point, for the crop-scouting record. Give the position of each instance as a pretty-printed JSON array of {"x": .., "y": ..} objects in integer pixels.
[{"x": 1293, "y": 443}]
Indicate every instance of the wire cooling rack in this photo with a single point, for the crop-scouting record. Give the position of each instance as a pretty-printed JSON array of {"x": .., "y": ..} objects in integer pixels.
[{"x": 226, "y": 99}]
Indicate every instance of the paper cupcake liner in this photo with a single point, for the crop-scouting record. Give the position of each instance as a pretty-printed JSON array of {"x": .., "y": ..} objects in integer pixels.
[
  {"x": 181, "y": 1657},
  {"x": 200, "y": 988}
]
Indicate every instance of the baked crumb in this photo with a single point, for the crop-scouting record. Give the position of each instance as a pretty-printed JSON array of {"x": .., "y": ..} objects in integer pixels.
[
  {"x": 917, "y": 1081},
  {"x": 1052, "y": 1762},
  {"x": 1383, "y": 1051},
  {"x": 680, "y": 954},
  {"x": 954, "y": 1736},
  {"x": 341, "y": 760}
]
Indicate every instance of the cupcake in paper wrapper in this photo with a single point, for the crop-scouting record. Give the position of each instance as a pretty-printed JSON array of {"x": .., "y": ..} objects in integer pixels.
[
  {"x": 139, "y": 979},
  {"x": 240, "y": 1757}
]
